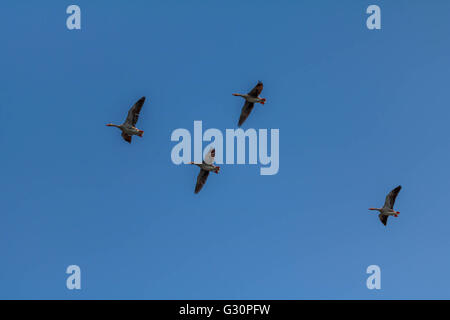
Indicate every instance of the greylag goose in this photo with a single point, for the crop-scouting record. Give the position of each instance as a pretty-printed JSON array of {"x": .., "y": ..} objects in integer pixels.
[
  {"x": 128, "y": 127},
  {"x": 250, "y": 99},
  {"x": 205, "y": 167},
  {"x": 388, "y": 208}
]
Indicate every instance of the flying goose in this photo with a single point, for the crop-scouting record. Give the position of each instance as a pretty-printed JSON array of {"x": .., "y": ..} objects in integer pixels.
[
  {"x": 128, "y": 127},
  {"x": 205, "y": 167},
  {"x": 388, "y": 208},
  {"x": 250, "y": 99}
]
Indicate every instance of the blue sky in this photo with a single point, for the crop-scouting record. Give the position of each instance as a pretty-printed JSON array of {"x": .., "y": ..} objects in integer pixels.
[{"x": 359, "y": 112}]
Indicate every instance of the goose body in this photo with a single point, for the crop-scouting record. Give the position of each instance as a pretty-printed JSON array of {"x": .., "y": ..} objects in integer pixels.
[
  {"x": 128, "y": 128},
  {"x": 388, "y": 208},
  {"x": 250, "y": 99},
  {"x": 206, "y": 167}
]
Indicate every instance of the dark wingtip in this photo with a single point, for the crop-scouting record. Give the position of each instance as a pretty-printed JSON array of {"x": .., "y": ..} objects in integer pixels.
[{"x": 141, "y": 100}]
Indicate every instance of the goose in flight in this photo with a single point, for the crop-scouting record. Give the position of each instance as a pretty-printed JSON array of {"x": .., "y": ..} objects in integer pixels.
[
  {"x": 205, "y": 167},
  {"x": 128, "y": 127},
  {"x": 250, "y": 99},
  {"x": 388, "y": 208}
]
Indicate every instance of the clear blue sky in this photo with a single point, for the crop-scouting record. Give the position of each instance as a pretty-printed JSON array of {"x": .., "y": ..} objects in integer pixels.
[{"x": 359, "y": 113}]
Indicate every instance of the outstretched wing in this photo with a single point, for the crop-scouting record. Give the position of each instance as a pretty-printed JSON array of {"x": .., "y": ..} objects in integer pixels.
[
  {"x": 256, "y": 91},
  {"x": 390, "y": 198},
  {"x": 126, "y": 137},
  {"x": 246, "y": 109},
  {"x": 201, "y": 180},
  {"x": 383, "y": 218},
  {"x": 133, "y": 114},
  {"x": 209, "y": 158}
]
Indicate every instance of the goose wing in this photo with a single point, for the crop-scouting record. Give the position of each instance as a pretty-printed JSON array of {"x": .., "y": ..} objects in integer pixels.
[
  {"x": 126, "y": 137},
  {"x": 390, "y": 198},
  {"x": 133, "y": 114},
  {"x": 209, "y": 158},
  {"x": 246, "y": 109},
  {"x": 256, "y": 91},
  {"x": 201, "y": 180},
  {"x": 383, "y": 218}
]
